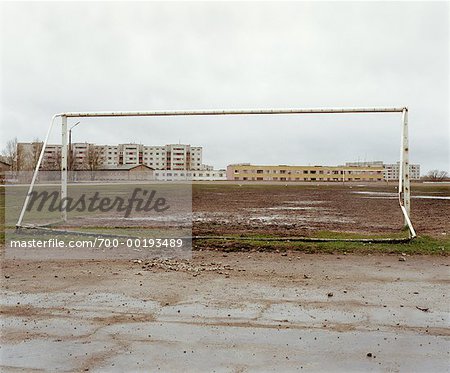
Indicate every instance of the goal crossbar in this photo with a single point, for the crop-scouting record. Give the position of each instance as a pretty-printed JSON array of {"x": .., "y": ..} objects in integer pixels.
[
  {"x": 231, "y": 112},
  {"x": 404, "y": 180}
]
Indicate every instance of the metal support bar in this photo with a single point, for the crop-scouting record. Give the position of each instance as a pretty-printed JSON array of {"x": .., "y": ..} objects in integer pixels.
[
  {"x": 406, "y": 180},
  {"x": 404, "y": 189},
  {"x": 232, "y": 112},
  {"x": 36, "y": 169},
  {"x": 63, "y": 168}
]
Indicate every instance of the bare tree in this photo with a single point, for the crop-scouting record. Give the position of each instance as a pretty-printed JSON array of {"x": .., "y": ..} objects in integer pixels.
[
  {"x": 93, "y": 159},
  {"x": 10, "y": 154},
  {"x": 437, "y": 175}
]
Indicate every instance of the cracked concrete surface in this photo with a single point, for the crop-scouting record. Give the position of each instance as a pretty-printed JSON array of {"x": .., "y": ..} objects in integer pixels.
[{"x": 263, "y": 315}]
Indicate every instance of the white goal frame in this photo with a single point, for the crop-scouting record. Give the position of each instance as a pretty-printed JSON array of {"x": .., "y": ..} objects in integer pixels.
[{"x": 404, "y": 193}]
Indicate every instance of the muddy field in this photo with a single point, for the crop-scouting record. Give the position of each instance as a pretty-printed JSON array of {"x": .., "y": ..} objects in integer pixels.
[
  {"x": 228, "y": 208},
  {"x": 306, "y": 209}
]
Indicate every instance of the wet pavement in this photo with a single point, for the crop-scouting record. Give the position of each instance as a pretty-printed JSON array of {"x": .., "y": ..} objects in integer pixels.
[{"x": 268, "y": 313}]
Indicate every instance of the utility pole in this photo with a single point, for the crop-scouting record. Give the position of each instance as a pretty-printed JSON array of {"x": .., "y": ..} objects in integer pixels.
[{"x": 70, "y": 145}]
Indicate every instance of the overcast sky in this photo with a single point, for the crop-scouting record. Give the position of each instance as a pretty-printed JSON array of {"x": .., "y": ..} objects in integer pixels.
[{"x": 58, "y": 57}]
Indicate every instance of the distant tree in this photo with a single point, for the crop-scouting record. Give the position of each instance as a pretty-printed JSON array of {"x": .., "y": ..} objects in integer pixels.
[
  {"x": 10, "y": 154},
  {"x": 437, "y": 175},
  {"x": 93, "y": 159}
]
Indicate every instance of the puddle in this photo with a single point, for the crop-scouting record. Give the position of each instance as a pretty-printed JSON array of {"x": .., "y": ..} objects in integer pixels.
[
  {"x": 257, "y": 216},
  {"x": 431, "y": 197},
  {"x": 281, "y": 208},
  {"x": 312, "y": 202},
  {"x": 389, "y": 195}
]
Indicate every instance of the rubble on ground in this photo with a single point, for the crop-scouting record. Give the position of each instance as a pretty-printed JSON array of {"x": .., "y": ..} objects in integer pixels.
[{"x": 180, "y": 265}]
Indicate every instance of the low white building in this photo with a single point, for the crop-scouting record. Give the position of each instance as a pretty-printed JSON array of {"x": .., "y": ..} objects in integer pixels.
[{"x": 180, "y": 175}]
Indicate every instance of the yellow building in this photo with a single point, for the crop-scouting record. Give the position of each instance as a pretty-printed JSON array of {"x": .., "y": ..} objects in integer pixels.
[{"x": 249, "y": 172}]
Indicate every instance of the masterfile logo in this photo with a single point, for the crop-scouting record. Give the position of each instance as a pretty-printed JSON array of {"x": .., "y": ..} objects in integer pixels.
[{"x": 141, "y": 200}]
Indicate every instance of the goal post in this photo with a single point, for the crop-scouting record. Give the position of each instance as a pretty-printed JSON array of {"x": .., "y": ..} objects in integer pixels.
[{"x": 404, "y": 193}]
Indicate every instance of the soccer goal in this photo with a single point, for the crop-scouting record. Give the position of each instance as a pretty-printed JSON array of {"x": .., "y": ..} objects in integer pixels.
[{"x": 404, "y": 179}]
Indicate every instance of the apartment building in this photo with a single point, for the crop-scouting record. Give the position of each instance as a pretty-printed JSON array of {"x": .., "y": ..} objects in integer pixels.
[
  {"x": 77, "y": 157},
  {"x": 110, "y": 155},
  {"x": 28, "y": 155},
  {"x": 166, "y": 157},
  {"x": 246, "y": 171},
  {"x": 391, "y": 170},
  {"x": 177, "y": 157},
  {"x": 154, "y": 157},
  {"x": 130, "y": 154}
]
